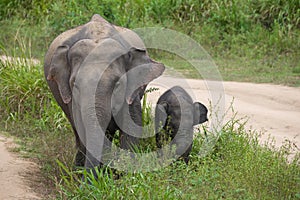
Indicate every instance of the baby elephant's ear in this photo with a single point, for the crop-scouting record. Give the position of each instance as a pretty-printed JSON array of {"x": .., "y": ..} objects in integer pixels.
[{"x": 200, "y": 113}]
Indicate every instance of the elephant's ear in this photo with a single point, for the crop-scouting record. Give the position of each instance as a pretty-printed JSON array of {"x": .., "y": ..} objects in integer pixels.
[
  {"x": 59, "y": 71},
  {"x": 200, "y": 113},
  {"x": 142, "y": 71},
  {"x": 161, "y": 116}
]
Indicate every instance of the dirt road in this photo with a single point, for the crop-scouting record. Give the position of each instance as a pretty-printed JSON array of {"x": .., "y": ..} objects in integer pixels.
[
  {"x": 271, "y": 108},
  {"x": 13, "y": 170}
]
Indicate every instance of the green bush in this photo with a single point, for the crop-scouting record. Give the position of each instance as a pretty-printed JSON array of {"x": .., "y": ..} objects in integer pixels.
[
  {"x": 29, "y": 112},
  {"x": 270, "y": 12},
  {"x": 34, "y": 10},
  {"x": 230, "y": 15}
]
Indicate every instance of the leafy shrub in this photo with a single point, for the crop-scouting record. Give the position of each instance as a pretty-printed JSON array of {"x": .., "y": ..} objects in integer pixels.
[
  {"x": 31, "y": 9},
  {"x": 285, "y": 13}
]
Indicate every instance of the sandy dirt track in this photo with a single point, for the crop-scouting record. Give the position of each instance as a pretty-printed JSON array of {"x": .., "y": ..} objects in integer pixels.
[
  {"x": 14, "y": 178},
  {"x": 271, "y": 108}
]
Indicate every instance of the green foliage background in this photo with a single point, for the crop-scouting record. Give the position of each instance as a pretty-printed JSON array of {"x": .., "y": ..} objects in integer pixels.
[{"x": 250, "y": 40}]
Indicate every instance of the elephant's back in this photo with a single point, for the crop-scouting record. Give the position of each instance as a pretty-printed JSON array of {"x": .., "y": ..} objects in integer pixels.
[
  {"x": 176, "y": 95},
  {"x": 132, "y": 38}
]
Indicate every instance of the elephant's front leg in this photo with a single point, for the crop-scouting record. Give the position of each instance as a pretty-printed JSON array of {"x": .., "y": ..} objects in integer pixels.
[
  {"x": 128, "y": 142},
  {"x": 186, "y": 155},
  {"x": 183, "y": 141},
  {"x": 79, "y": 139},
  {"x": 131, "y": 130},
  {"x": 109, "y": 136},
  {"x": 80, "y": 155}
]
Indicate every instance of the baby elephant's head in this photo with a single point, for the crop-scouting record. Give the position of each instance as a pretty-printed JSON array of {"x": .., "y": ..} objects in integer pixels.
[{"x": 200, "y": 113}]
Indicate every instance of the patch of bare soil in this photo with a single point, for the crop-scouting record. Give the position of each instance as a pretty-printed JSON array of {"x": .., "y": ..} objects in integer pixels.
[
  {"x": 9, "y": 59},
  {"x": 16, "y": 174}
]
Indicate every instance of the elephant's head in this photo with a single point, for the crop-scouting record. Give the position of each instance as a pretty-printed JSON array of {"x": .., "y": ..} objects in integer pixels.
[
  {"x": 200, "y": 113},
  {"x": 58, "y": 67},
  {"x": 65, "y": 64}
]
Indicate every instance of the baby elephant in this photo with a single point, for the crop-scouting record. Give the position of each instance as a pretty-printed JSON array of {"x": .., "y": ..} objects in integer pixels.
[{"x": 175, "y": 116}]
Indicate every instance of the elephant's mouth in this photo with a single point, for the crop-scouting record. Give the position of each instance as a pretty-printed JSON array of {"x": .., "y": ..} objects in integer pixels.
[{"x": 135, "y": 94}]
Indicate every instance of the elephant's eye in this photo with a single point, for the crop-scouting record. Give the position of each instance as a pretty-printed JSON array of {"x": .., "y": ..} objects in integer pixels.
[{"x": 53, "y": 70}]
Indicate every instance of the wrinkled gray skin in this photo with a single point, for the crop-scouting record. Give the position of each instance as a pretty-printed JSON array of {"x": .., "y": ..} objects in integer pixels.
[
  {"x": 81, "y": 50},
  {"x": 175, "y": 116}
]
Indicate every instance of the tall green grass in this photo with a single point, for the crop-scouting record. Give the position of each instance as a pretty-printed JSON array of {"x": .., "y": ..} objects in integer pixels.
[
  {"x": 238, "y": 168},
  {"x": 236, "y": 15},
  {"x": 29, "y": 112}
]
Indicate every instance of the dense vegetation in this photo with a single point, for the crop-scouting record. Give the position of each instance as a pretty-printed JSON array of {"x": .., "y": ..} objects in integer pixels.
[{"x": 250, "y": 41}]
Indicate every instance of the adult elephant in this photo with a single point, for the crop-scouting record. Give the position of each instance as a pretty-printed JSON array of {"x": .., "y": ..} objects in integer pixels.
[{"x": 97, "y": 73}]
